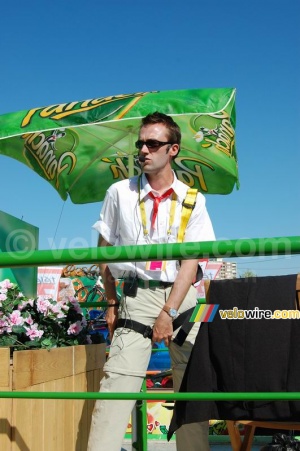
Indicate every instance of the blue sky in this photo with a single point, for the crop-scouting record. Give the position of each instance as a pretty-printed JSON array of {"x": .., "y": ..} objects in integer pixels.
[{"x": 66, "y": 51}]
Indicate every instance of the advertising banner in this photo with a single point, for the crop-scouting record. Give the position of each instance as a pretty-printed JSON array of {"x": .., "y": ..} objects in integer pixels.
[{"x": 81, "y": 148}]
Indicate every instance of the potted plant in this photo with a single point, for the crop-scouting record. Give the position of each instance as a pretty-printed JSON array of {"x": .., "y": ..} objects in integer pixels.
[{"x": 45, "y": 346}]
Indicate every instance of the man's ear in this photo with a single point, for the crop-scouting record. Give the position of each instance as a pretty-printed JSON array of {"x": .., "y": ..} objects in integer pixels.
[{"x": 174, "y": 149}]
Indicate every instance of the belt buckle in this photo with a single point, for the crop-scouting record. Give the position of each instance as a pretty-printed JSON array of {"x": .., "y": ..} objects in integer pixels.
[
  {"x": 148, "y": 332},
  {"x": 166, "y": 284}
]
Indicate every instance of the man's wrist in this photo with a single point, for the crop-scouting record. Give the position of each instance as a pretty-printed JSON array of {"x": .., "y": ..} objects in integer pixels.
[{"x": 172, "y": 312}]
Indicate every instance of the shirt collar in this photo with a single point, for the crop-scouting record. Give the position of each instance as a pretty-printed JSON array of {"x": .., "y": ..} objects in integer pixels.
[{"x": 179, "y": 188}]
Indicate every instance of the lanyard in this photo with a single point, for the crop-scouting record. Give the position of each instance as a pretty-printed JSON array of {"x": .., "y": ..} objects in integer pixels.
[{"x": 143, "y": 212}]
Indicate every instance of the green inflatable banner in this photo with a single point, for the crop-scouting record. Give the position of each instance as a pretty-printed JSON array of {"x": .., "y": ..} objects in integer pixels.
[{"x": 81, "y": 148}]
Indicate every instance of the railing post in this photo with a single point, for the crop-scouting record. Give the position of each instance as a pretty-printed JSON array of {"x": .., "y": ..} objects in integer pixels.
[{"x": 139, "y": 423}]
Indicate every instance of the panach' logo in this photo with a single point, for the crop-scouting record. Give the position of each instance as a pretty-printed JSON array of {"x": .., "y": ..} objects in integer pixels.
[
  {"x": 51, "y": 152},
  {"x": 214, "y": 129}
]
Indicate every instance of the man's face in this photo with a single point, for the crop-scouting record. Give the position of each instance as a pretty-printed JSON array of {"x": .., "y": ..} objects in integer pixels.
[{"x": 156, "y": 158}]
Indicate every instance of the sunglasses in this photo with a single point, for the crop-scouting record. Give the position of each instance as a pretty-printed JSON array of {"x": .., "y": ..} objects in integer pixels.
[{"x": 151, "y": 144}]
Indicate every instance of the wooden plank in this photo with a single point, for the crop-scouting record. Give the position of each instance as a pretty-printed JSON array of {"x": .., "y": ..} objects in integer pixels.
[
  {"x": 5, "y": 424},
  {"x": 60, "y": 439},
  {"x": 97, "y": 355},
  {"x": 234, "y": 434},
  {"x": 39, "y": 425},
  {"x": 82, "y": 418},
  {"x": 88, "y": 358},
  {"x": 70, "y": 431},
  {"x": 271, "y": 424},
  {"x": 50, "y": 425},
  {"x": 51, "y": 412},
  {"x": 5, "y": 404},
  {"x": 5, "y": 369},
  {"x": 52, "y": 365},
  {"x": 40, "y": 365},
  {"x": 22, "y": 417}
]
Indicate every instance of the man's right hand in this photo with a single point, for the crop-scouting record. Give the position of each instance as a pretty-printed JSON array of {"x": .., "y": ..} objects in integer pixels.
[
  {"x": 163, "y": 329},
  {"x": 110, "y": 292}
]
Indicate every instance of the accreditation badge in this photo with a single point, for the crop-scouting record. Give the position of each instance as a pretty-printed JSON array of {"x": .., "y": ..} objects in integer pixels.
[{"x": 159, "y": 265}]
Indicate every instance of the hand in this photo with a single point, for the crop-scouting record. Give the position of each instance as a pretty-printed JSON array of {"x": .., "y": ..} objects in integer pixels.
[
  {"x": 111, "y": 319},
  {"x": 163, "y": 329}
]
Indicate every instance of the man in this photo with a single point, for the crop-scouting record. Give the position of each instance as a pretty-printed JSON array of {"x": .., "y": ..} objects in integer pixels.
[{"x": 147, "y": 210}]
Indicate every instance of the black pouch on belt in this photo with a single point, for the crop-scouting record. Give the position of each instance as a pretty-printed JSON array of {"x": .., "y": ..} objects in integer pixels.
[{"x": 130, "y": 287}]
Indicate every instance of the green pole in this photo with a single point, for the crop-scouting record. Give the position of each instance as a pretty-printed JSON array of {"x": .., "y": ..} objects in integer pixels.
[
  {"x": 191, "y": 396},
  {"x": 177, "y": 251},
  {"x": 94, "y": 304},
  {"x": 139, "y": 423}
]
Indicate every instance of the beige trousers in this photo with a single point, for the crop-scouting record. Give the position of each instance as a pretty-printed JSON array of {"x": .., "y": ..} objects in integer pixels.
[{"x": 125, "y": 370}]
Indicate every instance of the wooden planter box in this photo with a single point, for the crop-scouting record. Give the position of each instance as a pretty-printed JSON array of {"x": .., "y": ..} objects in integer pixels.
[{"x": 46, "y": 424}]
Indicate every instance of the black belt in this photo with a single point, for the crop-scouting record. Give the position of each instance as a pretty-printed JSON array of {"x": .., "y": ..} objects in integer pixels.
[
  {"x": 146, "y": 331},
  {"x": 181, "y": 321},
  {"x": 153, "y": 284}
]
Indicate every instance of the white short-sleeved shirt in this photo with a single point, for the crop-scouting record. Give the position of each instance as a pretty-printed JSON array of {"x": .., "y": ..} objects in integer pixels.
[{"x": 120, "y": 224}]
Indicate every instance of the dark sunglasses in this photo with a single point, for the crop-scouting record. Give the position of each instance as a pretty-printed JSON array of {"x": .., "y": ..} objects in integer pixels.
[{"x": 151, "y": 144}]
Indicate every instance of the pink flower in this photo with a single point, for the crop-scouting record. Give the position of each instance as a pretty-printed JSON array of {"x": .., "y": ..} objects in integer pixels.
[
  {"x": 38, "y": 317},
  {"x": 42, "y": 305},
  {"x": 33, "y": 332},
  {"x": 6, "y": 284},
  {"x": 57, "y": 309},
  {"x": 16, "y": 318},
  {"x": 29, "y": 320},
  {"x": 74, "y": 328}
]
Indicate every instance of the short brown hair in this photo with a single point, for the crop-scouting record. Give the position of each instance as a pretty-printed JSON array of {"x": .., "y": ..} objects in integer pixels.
[{"x": 161, "y": 118}]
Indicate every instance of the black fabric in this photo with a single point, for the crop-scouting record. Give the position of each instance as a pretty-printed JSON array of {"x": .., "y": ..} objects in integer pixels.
[
  {"x": 243, "y": 355},
  {"x": 183, "y": 320}
]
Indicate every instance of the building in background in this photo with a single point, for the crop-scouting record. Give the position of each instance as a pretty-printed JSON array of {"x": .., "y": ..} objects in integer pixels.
[{"x": 228, "y": 270}]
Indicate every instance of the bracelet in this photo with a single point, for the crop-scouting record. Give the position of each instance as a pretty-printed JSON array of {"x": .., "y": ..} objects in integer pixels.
[{"x": 113, "y": 305}]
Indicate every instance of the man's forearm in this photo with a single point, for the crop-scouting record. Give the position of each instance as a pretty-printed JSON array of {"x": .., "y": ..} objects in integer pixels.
[
  {"x": 109, "y": 284},
  {"x": 184, "y": 280},
  {"x": 107, "y": 278}
]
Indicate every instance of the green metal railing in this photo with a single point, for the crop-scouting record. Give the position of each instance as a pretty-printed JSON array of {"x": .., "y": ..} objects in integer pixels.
[
  {"x": 225, "y": 249},
  {"x": 191, "y": 396}
]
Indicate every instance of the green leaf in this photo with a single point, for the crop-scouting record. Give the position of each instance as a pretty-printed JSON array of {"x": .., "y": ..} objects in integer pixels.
[
  {"x": 8, "y": 340},
  {"x": 19, "y": 330}
]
